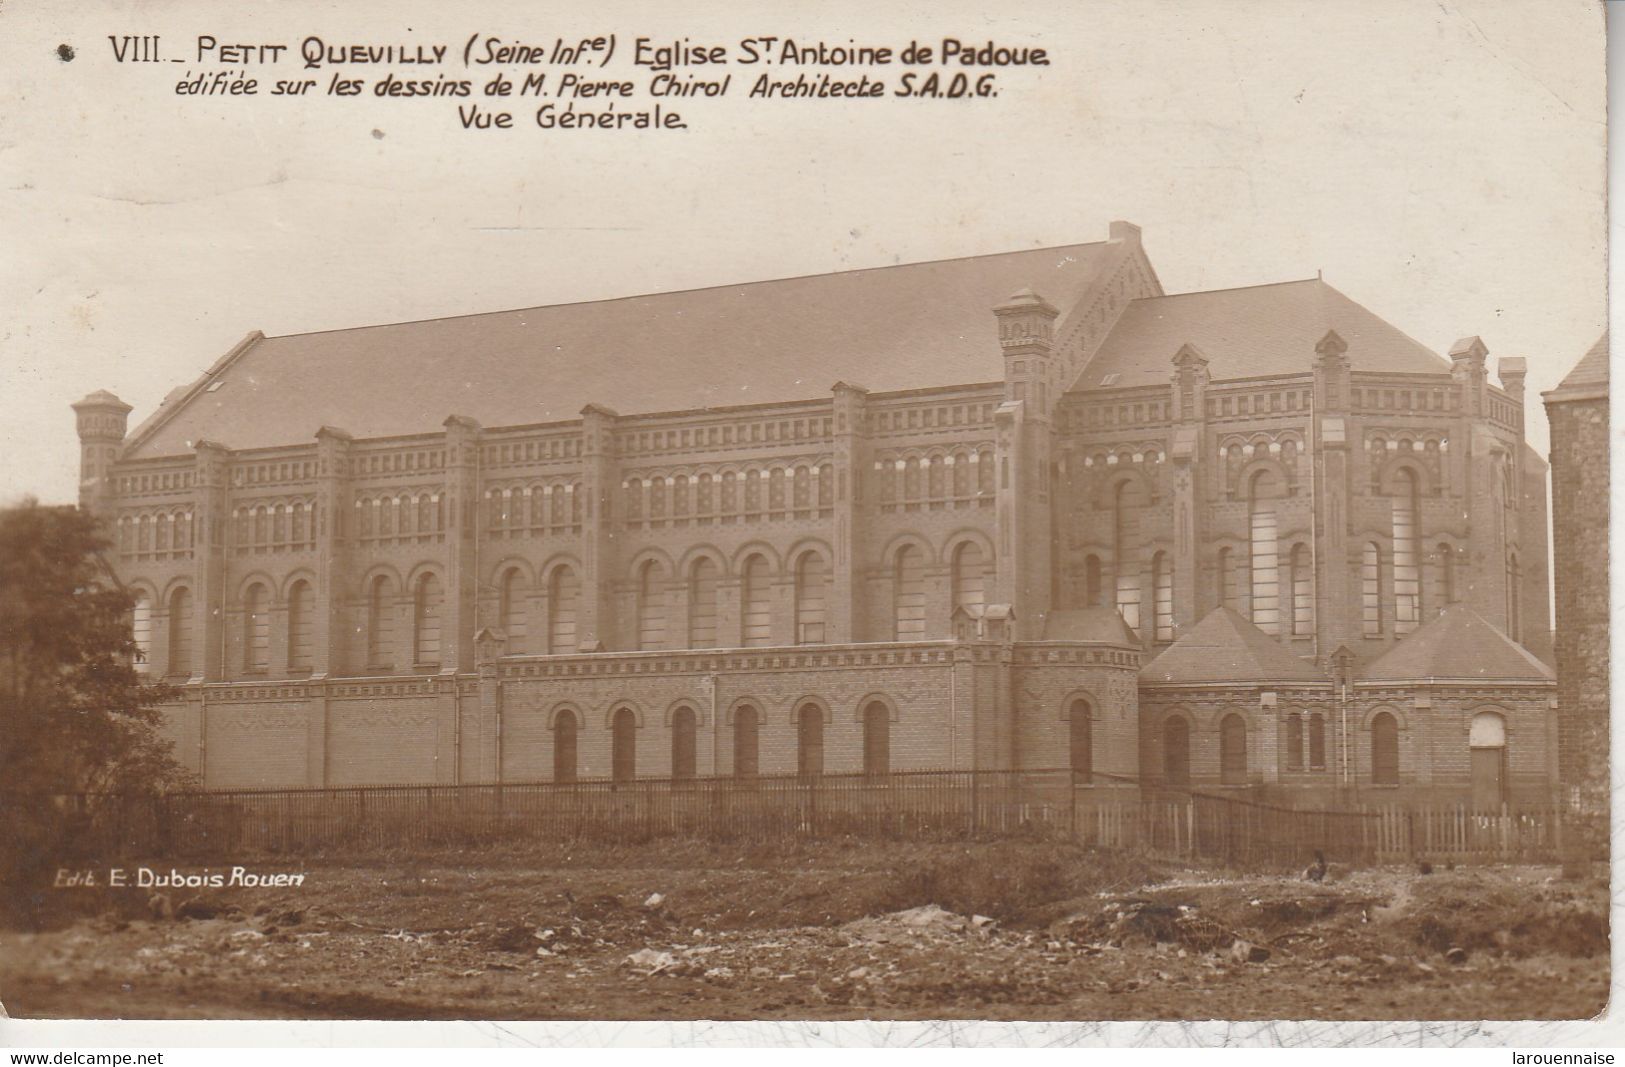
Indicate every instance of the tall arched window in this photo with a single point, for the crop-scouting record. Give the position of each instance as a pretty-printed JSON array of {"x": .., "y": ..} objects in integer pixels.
[
  {"x": 1162, "y": 596},
  {"x": 810, "y": 741},
  {"x": 651, "y": 606},
  {"x": 256, "y": 629},
  {"x": 1371, "y": 590},
  {"x": 301, "y": 626},
  {"x": 702, "y": 603},
  {"x": 1265, "y": 584},
  {"x": 1081, "y": 741},
  {"x": 1384, "y": 749},
  {"x": 180, "y": 632},
  {"x": 1303, "y": 591},
  {"x": 876, "y": 739},
  {"x": 380, "y": 623},
  {"x": 812, "y": 594},
  {"x": 511, "y": 609},
  {"x": 426, "y": 603},
  {"x": 1127, "y": 599},
  {"x": 970, "y": 577},
  {"x": 747, "y": 721},
  {"x": 565, "y": 729},
  {"x": 683, "y": 730},
  {"x": 1407, "y": 569},
  {"x": 1233, "y": 750},
  {"x": 623, "y": 756},
  {"x": 141, "y": 632},
  {"x": 908, "y": 594},
  {"x": 1176, "y": 751},
  {"x": 1229, "y": 594},
  {"x": 1317, "y": 742},
  {"x": 1092, "y": 592},
  {"x": 756, "y": 594},
  {"x": 1294, "y": 742},
  {"x": 563, "y": 590}
]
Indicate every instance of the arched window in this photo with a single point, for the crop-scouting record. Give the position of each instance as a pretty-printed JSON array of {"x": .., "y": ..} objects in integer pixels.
[
  {"x": 1265, "y": 586},
  {"x": 1317, "y": 742},
  {"x": 756, "y": 595},
  {"x": 1303, "y": 591},
  {"x": 1294, "y": 742},
  {"x": 1384, "y": 749},
  {"x": 1092, "y": 592},
  {"x": 1229, "y": 594},
  {"x": 565, "y": 728},
  {"x": 301, "y": 626},
  {"x": 812, "y": 594},
  {"x": 180, "y": 632},
  {"x": 651, "y": 606},
  {"x": 683, "y": 729},
  {"x": 380, "y": 623},
  {"x": 426, "y": 603},
  {"x": 1162, "y": 596},
  {"x": 970, "y": 578},
  {"x": 511, "y": 608},
  {"x": 1233, "y": 750},
  {"x": 141, "y": 632},
  {"x": 1128, "y": 577},
  {"x": 1176, "y": 751},
  {"x": 1081, "y": 741},
  {"x": 623, "y": 757},
  {"x": 908, "y": 595},
  {"x": 702, "y": 603},
  {"x": 746, "y": 744},
  {"x": 1407, "y": 570},
  {"x": 1371, "y": 590},
  {"x": 563, "y": 590},
  {"x": 1447, "y": 576},
  {"x": 876, "y": 739},
  {"x": 810, "y": 741},
  {"x": 256, "y": 628}
]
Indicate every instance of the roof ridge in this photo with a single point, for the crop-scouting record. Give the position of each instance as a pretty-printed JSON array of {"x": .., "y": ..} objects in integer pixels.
[
  {"x": 1231, "y": 289},
  {"x": 686, "y": 292}
]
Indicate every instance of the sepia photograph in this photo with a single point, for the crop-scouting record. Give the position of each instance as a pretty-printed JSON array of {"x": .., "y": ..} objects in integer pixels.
[{"x": 1094, "y": 513}]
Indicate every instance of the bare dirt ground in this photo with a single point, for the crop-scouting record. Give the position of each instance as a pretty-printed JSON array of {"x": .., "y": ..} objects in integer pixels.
[{"x": 1008, "y": 930}]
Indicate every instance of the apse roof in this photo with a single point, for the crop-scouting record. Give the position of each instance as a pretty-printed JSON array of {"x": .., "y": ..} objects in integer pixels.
[
  {"x": 1252, "y": 332},
  {"x": 1458, "y": 644},
  {"x": 1225, "y": 648},
  {"x": 1089, "y": 624}
]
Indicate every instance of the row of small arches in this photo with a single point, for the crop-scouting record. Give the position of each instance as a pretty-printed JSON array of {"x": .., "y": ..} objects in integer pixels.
[
  {"x": 1306, "y": 735},
  {"x": 748, "y": 492},
  {"x": 939, "y": 474}
]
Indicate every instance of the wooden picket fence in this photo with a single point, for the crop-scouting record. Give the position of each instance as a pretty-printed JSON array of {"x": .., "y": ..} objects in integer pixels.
[{"x": 1102, "y": 811}]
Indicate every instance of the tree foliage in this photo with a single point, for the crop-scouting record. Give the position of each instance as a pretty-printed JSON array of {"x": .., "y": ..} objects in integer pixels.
[{"x": 75, "y": 714}]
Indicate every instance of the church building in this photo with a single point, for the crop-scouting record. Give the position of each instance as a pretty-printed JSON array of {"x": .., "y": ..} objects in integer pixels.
[{"x": 1012, "y": 512}]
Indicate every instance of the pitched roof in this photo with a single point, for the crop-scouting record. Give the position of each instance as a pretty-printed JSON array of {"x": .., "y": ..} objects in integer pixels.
[
  {"x": 1590, "y": 374},
  {"x": 1244, "y": 333},
  {"x": 1226, "y": 648},
  {"x": 1090, "y": 624},
  {"x": 1458, "y": 644},
  {"x": 889, "y": 328}
]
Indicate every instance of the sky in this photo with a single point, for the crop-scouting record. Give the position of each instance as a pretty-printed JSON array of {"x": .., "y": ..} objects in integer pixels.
[{"x": 1442, "y": 163}]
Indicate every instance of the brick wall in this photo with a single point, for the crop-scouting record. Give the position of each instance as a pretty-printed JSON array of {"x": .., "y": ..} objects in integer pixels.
[{"x": 1580, "y": 498}]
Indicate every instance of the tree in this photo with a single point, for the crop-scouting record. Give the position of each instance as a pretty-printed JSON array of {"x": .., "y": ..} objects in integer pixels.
[{"x": 75, "y": 715}]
